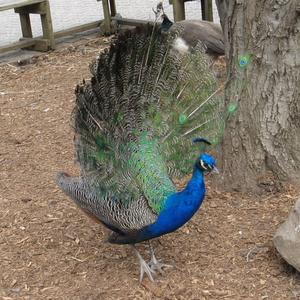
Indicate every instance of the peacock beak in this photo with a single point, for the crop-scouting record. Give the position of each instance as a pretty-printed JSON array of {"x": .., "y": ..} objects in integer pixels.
[{"x": 215, "y": 170}]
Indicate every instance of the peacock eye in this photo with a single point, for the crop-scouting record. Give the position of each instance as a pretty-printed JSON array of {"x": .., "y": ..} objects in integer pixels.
[{"x": 209, "y": 167}]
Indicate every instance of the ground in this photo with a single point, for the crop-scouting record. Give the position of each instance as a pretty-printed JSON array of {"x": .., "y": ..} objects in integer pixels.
[{"x": 50, "y": 250}]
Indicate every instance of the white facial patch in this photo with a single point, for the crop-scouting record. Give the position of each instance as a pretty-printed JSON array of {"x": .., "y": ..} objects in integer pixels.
[{"x": 202, "y": 165}]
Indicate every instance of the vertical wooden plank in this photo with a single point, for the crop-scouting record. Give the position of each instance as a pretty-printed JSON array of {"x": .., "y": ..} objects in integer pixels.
[
  {"x": 25, "y": 25},
  {"x": 107, "y": 18},
  {"x": 113, "y": 9},
  {"x": 207, "y": 11},
  {"x": 178, "y": 10},
  {"x": 210, "y": 16},
  {"x": 47, "y": 25}
]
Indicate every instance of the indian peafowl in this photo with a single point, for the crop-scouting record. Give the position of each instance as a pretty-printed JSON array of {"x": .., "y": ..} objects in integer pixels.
[
  {"x": 193, "y": 31},
  {"x": 134, "y": 124}
]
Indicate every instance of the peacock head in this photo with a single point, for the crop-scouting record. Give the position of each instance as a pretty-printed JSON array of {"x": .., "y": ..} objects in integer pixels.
[{"x": 205, "y": 162}]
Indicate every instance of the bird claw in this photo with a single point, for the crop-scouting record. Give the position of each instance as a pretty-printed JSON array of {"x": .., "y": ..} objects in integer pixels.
[
  {"x": 151, "y": 268},
  {"x": 145, "y": 268},
  {"x": 156, "y": 265}
]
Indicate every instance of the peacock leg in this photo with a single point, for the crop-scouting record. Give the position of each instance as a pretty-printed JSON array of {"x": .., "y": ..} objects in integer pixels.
[
  {"x": 144, "y": 267},
  {"x": 156, "y": 264}
]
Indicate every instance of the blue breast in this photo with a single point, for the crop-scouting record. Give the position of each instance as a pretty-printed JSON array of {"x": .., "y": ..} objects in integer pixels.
[{"x": 179, "y": 208}]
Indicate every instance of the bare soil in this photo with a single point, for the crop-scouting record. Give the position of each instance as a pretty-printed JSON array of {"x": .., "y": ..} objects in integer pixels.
[{"x": 50, "y": 250}]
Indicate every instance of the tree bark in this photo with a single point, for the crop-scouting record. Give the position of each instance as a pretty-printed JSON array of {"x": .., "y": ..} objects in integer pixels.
[{"x": 262, "y": 136}]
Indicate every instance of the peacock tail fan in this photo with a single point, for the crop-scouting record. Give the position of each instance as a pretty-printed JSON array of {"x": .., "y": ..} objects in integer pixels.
[{"x": 136, "y": 118}]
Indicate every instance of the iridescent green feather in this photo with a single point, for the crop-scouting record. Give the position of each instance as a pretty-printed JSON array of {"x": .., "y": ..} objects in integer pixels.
[{"x": 150, "y": 171}]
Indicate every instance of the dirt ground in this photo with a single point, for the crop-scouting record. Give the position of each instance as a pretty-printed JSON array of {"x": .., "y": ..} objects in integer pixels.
[{"x": 50, "y": 250}]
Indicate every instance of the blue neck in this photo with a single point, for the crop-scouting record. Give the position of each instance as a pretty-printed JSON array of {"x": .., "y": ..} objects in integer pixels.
[
  {"x": 196, "y": 183},
  {"x": 178, "y": 208}
]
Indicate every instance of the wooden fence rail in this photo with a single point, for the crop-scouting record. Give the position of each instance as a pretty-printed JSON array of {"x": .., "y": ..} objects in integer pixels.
[
  {"x": 46, "y": 42},
  {"x": 24, "y": 9}
]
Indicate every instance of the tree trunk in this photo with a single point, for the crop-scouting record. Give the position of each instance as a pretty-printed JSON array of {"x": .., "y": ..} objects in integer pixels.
[{"x": 262, "y": 136}]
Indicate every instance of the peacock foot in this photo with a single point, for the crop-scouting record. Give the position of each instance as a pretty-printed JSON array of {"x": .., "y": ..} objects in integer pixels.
[
  {"x": 156, "y": 265},
  {"x": 144, "y": 267}
]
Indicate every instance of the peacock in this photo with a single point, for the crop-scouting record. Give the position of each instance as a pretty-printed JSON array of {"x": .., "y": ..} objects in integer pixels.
[
  {"x": 137, "y": 124},
  {"x": 193, "y": 31}
]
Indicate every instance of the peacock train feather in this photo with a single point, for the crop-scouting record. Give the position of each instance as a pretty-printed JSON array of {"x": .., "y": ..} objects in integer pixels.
[{"x": 134, "y": 124}]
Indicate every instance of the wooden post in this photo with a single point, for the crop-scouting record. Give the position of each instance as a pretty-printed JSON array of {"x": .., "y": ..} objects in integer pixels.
[
  {"x": 113, "y": 9},
  {"x": 206, "y": 9},
  {"x": 47, "y": 26},
  {"x": 178, "y": 10},
  {"x": 42, "y": 8},
  {"x": 107, "y": 18},
  {"x": 25, "y": 25}
]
